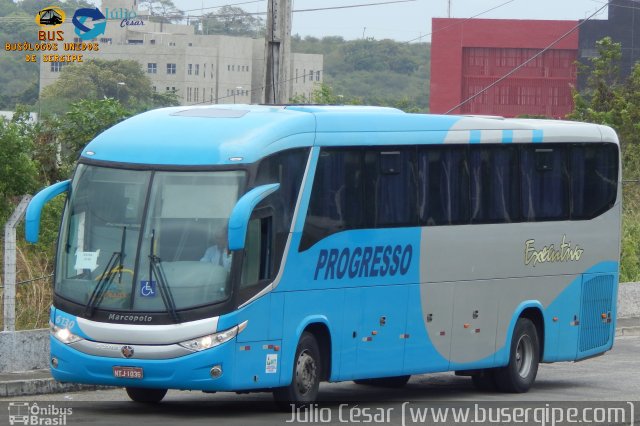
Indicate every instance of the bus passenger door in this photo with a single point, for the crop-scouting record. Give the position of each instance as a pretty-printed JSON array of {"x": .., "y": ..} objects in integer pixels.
[
  {"x": 475, "y": 316},
  {"x": 380, "y": 333}
]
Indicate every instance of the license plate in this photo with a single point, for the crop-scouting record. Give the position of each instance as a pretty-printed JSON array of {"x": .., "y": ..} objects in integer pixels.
[{"x": 127, "y": 372}]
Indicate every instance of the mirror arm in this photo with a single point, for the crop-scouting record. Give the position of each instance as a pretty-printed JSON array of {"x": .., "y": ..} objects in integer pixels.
[
  {"x": 239, "y": 219},
  {"x": 34, "y": 210}
]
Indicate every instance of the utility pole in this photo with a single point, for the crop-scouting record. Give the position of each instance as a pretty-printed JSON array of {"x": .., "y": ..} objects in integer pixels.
[
  {"x": 278, "y": 51},
  {"x": 449, "y": 9}
]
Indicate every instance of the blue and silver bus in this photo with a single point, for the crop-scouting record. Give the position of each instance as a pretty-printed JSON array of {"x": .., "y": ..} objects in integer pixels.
[{"x": 269, "y": 248}]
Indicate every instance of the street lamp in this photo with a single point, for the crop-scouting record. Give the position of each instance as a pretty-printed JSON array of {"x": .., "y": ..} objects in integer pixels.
[
  {"x": 120, "y": 83},
  {"x": 236, "y": 90}
]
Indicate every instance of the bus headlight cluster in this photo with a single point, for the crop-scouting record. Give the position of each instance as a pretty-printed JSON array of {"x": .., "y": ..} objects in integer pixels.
[
  {"x": 63, "y": 334},
  {"x": 212, "y": 340}
]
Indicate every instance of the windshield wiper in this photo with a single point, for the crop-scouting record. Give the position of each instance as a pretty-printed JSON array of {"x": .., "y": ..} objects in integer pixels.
[
  {"x": 155, "y": 268},
  {"x": 117, "y": 258}
]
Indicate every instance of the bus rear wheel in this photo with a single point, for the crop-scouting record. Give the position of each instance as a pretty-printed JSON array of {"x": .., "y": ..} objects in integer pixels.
[
  {"x": 148, "y": 396},
  {"x": 305, "y": 382},
  {"x": 524, "y": 356},
  {"x": 385, "y": 382}
]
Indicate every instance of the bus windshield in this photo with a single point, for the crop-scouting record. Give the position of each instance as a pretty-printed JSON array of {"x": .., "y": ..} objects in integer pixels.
[{"x": 144, "y": 241}]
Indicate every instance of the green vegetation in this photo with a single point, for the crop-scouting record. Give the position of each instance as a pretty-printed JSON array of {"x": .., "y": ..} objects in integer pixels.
[
  {"x": 614, "y": 102},
  {"x": 384, "y": 72}
]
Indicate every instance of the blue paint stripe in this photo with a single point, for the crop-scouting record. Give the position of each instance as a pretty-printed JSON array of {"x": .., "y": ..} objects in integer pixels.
[
  {"x": 507, "y": 136},
  {"x": 537, "y": 136},
  {"x": 474, "y": 136}
]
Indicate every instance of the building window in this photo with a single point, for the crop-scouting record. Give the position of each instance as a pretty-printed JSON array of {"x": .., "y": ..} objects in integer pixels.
[
  {"x": 228, "y": 67},
  {"x": 195, "y": 94},
  {"x": 188, "y": 94},
  {"x": 189, "y": 69},
  {"x": 152, "y": 68},
  {"x": 204, "y": 71},
  {"x": 317, "y": 75},
  {"x": 197, "y": 70},
  {"x": 171, "y": 68},
  {"x": 247, "y": 68},
  {"x": 310, "y": 75},
  {"x": 233, "y": 67},
  {"x": 304, "y": 76},
  {"x": 172, "y": 43},
  {"x": 152, "y": 42},
  {"x": 211, "y": 94},
  {"x": 135, "y": 41},
  {"x": 57, "y": 66},
  {"x": 154, "y": 88},
  {"x": 167, "y": 88},
  {"x": 190, "y": 44}
]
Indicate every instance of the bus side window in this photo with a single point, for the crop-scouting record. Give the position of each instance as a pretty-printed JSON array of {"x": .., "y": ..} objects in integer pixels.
[
  {"x": 545, "y": 183},
  {"x": 257, "y": 263}
]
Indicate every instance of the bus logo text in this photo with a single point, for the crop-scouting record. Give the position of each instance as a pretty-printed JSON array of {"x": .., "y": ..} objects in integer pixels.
[
  {"x": 551, "y": 254},
  {"x": 364, "y": 262}
]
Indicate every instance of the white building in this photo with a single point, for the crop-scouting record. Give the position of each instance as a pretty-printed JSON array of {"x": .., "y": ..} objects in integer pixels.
[{"x": 199, "y": 68}]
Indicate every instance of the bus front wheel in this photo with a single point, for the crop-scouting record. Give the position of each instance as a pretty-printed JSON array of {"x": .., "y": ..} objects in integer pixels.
[
  {"x": 305, "y": 382},
  {"x": 149, "y": 396},
  {"x": 524, "y": 356}
]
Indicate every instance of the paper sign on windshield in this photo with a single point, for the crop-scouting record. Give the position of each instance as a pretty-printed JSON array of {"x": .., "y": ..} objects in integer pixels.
[{"x": 87, "y": 260}]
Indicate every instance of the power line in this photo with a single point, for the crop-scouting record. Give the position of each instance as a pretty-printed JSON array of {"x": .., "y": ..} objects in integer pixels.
[
  {"x": 513, "y": 71},
  {"x": 460, "y": 22}
]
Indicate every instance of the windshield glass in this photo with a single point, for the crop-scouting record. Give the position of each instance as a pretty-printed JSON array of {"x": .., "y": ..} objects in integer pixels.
[{"x": 104, "y": 261}]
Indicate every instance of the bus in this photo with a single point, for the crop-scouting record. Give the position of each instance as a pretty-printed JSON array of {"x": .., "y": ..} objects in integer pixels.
[{"x": 270, "y": 248}]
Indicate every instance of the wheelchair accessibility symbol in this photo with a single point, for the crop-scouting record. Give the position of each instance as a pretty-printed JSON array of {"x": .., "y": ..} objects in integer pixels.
[{"x": 147, "y": 288}]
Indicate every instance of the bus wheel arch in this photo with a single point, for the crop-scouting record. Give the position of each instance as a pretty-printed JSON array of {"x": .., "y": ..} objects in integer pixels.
[
  {"x": 321, "y": 332},
  {"x": 534, "y": 314}
]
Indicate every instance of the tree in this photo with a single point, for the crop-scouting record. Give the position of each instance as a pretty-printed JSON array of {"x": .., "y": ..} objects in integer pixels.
[
  {"x": 18, "y": 172},
  {"x": 233, "y": 21},
  {"x": 96, "y": 79},
  {"x": 163, "y": 11},
  {"x": 608, "y": 100}
]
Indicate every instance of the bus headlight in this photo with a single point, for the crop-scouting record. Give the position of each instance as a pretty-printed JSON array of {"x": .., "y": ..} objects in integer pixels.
[
  {"x": 64, "y": 335},
  {"x": 212, "y": 340}
]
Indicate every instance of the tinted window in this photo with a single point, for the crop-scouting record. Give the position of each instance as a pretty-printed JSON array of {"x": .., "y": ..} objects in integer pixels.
[
  {"x": 594, "y": 179},
  {"x": 390, "y": 185},
  {"x": 336, "y": 202},
  {"x": 544, "y": 183},
  {"x": 495, "y": 192},
  {"x": 443, "y": 186}
]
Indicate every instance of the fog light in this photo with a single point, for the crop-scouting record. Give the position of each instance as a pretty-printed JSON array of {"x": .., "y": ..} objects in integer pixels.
[
  {"x": 216, "y": 371},
  {"x": 54, "y": 362}
]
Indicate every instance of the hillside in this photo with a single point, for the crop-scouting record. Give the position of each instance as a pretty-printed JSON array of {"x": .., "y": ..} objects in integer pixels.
[{"x": 382, "y": 72}]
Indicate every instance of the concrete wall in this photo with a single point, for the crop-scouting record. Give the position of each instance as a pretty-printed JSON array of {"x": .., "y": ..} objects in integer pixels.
[
  {"x": 24, "y": 350},
  {"x": 629, "y": 300}
]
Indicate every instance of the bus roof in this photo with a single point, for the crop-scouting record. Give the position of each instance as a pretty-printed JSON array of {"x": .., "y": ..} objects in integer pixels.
[{"x": 232, "y": 134}]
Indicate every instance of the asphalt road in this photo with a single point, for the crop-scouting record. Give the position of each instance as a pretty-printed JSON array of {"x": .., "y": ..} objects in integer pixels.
[{"x": 606, "y": 381}]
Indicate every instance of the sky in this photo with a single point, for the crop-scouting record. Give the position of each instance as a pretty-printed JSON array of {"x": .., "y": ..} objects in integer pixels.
[{"x": 405, "y": 21}]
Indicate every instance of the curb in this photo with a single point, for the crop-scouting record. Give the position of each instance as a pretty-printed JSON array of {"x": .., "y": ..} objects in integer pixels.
[
  {"x": 627, "y": 331},
  {"x": 43, "y": 385}
]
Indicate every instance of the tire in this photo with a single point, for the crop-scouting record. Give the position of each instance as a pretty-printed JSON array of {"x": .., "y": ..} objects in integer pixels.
[
  {"x": 305, "y": 381},
  {"x": 147, "y": 396},
  {"x": 385, "y": 382},
  {"x": 485, "y": 381},
  {"x": 524, "y": 356}
]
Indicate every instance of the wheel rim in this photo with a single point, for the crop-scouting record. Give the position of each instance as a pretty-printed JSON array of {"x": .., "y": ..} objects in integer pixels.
[
  {"x": 524, "y": 355},
  {"x": 305, "y": 373}
]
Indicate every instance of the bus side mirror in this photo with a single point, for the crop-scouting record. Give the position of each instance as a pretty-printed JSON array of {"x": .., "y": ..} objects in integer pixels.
[
  {"x": 34, "y": 210},
  {"x": 239, "y": 219}
]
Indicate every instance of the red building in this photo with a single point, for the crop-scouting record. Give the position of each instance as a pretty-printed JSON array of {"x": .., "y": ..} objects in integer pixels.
[{"x": 469, "y": 55}]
